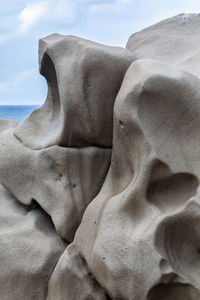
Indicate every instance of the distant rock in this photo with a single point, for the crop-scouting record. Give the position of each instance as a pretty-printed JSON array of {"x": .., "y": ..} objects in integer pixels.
[{"x": 7, "y": 124}]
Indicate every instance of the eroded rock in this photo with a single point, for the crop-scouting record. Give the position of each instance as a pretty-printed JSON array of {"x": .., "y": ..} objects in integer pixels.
[
  {"x": 110, "y": 164},
  {"x": 62, "y": 180},
  {"x": 29, "y": 249},
  {"x": 83, "y": 80},
  {"x": 153, "y": 175},
  {"x": 72, "y": 279}
]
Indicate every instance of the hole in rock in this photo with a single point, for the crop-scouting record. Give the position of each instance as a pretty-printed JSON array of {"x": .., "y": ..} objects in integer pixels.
[
  {"x": 165, "y": 267},
  {"x": 108, "y": 297},
  {"x": 171, "y": 193},
  {"x": 121, "y": 124},
  {"x": 36, "y": 206},
  {"x": 173, "y": 291},
  {"x": 83, "y": 261}
]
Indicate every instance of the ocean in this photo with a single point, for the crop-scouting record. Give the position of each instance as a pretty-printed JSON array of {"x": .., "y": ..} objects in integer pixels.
[{"x": 16, "y": 112}]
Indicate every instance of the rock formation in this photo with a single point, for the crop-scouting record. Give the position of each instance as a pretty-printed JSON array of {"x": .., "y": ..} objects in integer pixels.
[{"x": 99, "y": 188}]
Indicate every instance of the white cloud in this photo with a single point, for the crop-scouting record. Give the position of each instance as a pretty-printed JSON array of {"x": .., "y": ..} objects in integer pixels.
[
  {"x": 14, "y": 84},
  {"x": 3, "y": 38},
  {"x": 30, "y": 15},
  {"x": 34, "y": 12},
  {"x": 114, "y": 6},
  {"x": 63, "y": 10},
  {"x": 47, "y": 10},
  {"x": 125, "y": 1}
]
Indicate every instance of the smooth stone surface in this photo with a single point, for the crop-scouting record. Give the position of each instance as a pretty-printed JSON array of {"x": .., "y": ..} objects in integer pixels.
[
  {"x": 7, "y": 124},
  {"x": 174, "y": 41},
  {"x": 83, "y": 80},
  {"x": 154, "y": 173},
  {"x": 62, "y": 180},
  {"x": 29, "y": 249},
  {"x": 71, "y": 279}
]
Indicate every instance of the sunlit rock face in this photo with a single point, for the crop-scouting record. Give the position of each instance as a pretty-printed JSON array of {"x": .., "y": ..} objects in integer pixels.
[
  {"x": 99, "y": 188},
  {"x": 83, "y": 80}
]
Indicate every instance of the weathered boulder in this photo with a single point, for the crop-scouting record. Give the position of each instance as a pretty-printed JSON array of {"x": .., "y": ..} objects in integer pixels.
[
  {"x": 61, "y": 180},
  {"x": 29, "y": 249},
  {"x": 83, "y": 80},
  {"x": 174, "y": 41},
  {"x": 154, "y": 173}
]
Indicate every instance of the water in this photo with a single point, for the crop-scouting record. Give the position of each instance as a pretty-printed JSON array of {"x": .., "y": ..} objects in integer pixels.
[{"x": 16, "y": 112}]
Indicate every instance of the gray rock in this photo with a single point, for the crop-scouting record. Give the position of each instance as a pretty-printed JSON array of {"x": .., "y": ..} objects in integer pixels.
[
  {"x": 6, "y": 124},
  {"x": 29, "y": 249},
  {"x": 154, "y": 174},
  {"x": 78, "y": 283},
  {"x": 110, "y": 164},
  {"x": 83, "y": 80},
  {"x": 62, "y": 180},
  {"x": 174, "y": 41}
]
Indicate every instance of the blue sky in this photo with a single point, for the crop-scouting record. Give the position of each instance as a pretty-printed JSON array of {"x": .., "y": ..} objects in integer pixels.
[{"x": 110, "y": 22}]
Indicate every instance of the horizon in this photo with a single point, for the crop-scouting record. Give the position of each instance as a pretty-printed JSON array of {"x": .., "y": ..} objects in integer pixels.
[{"x": 109, "y": 22}]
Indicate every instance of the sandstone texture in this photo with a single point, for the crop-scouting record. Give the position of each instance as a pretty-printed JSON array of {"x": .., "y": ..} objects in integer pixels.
[{"x": 99, "y": 187}]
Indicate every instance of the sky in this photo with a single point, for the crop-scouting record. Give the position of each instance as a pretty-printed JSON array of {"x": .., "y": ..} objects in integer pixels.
[{"x": 110, "y": 22}]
